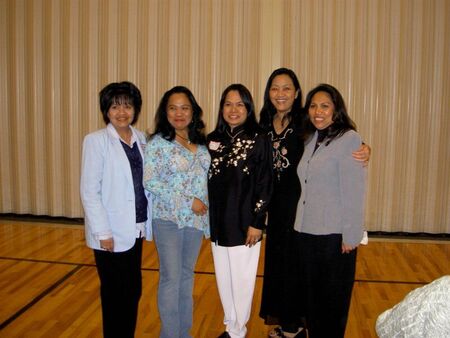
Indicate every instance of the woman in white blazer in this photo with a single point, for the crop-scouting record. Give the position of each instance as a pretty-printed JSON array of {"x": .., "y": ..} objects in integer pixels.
[{"x": 117, "y": 209}]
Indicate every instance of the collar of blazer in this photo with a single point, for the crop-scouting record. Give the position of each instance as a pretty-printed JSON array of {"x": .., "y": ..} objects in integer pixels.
[{"x": 114, "y": 138}]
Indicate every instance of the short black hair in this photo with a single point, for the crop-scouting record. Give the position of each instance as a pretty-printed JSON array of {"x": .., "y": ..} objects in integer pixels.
[
  {"x": 250, "y": 125},
  {"x": 119, "y": 93},
  {"x": 196, "y": 128}
]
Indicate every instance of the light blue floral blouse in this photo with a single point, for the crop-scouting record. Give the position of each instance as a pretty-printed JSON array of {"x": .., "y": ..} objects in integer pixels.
[{"x": 174, "y": 176}]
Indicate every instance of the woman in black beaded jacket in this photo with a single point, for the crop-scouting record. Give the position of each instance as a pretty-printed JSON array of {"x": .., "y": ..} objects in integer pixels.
[{"x": 240, "y": 186}]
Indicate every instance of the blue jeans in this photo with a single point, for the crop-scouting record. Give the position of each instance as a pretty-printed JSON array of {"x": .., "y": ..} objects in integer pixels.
[{"x": 178, "y": 250}]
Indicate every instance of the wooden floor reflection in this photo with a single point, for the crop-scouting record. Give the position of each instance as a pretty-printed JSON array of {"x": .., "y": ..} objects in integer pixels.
[{"x": 49, "y": 285}]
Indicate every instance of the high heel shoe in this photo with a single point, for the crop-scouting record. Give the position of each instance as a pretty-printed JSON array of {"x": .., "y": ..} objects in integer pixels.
[
  {"x": 301, "y": 334},
  {"x": 277, "y": 333}
]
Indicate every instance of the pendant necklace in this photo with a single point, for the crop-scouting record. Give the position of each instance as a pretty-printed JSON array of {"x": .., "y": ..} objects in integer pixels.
[
  {"x": 184, "y": 138},
  {"x": 234, "y": 137}
]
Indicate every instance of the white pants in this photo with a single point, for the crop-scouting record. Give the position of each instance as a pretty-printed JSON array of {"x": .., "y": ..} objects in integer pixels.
[{"x": 235, "y": 269}]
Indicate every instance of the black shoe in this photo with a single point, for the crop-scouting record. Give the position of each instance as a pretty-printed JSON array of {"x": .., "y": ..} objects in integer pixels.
[
  {"x": 277, "y": 333},
  {"x": 224, "y": 335}
]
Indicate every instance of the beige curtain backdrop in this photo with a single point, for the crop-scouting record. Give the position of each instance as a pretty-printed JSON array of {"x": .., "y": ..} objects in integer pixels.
[{"x": 389, "y": 58}]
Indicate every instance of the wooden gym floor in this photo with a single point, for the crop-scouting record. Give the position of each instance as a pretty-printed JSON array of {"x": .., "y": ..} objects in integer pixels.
[{"x": 49, "y": 285}]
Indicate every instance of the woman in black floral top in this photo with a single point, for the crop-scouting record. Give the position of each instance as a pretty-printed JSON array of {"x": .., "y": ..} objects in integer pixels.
[
  {"x": 281, "y": 117},
  {"x": 240, "y": 186}
]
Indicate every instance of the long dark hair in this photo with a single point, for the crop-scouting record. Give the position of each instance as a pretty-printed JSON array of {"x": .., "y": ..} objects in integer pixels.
[
  {"x": 250, "y": 125},
  {"x": 268, "y": 110},
  {"x": 196, "y": 128},
  {"x": 341, "y": 120}
]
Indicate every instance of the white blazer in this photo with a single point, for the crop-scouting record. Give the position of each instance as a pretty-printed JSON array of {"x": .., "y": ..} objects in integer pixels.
[{"x": 107, "y": 190}]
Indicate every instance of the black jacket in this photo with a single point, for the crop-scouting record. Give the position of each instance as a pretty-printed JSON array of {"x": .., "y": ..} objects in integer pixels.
[{"x": 240, "y": 184}]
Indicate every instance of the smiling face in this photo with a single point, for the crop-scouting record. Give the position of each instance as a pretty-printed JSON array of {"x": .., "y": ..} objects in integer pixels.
[
  {"x": 121, "y": 114},
  {"x": 282, "y": 93},
  {"x": 234, "y": 110},
  {"x": 321, "y": 110},
  {"x": 179, "y": 111}
]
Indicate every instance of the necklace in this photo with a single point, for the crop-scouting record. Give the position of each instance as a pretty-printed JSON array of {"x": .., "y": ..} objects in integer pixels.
[
  {"x": 184, "y": 138},
  {"x": 234, "y": 137}
]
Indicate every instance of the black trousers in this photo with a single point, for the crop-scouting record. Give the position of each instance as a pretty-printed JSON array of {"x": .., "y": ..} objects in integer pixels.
[
  {"x": 327, "y": 281},
  {"x": 120, "y": 289}
]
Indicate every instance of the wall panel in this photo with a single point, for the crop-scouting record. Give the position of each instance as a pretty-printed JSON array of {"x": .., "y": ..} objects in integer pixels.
[{"x": 390, "y": 60}]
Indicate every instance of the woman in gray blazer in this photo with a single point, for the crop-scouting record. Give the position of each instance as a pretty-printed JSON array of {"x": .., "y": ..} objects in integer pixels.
[
  {"x": 329, "y": 218},
  {"x": 116, "y": 207}
]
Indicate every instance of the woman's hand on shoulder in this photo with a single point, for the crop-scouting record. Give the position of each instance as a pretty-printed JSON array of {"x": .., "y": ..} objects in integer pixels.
[
  {"x": 362, "y": 154},
  {"x": 253, "y": 236},
  {"x": 198, "y": 207}
]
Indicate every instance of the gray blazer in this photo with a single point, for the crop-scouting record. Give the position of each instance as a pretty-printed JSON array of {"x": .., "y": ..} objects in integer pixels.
[{"x": 333, "y": 189}]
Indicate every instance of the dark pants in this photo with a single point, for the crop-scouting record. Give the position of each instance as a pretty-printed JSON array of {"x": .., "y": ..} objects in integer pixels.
[
  {"x": 327, "y": 278},
  {"x": 279, "y": 305},
  {"x": 120, "y": 289}
]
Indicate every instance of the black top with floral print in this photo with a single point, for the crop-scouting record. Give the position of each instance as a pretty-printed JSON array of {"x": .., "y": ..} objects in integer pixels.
[
  {"x": 287, "y": 151},
  {"x": 240, "y": 184}
]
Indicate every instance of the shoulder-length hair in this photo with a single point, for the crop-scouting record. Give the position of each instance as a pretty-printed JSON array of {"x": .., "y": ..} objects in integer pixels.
[
  {"x": 341, "y": 120},
  {"x": 250, "y": 125},
  {"x": 166, "y": 130},
  {"x": 120, "y": 93},
  {"x": 268, "y": 110}
]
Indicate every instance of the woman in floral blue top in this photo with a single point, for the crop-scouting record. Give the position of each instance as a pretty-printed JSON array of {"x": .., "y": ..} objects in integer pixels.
[{"x": 176, "y": 166}]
